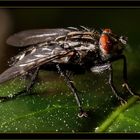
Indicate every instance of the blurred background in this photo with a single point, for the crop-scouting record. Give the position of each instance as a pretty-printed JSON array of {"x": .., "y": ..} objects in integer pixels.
[{"x": 122, "y": 21}]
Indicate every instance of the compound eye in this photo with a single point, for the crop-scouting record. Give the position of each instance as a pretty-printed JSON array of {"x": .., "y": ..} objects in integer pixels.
[{"x": 108, "y": 31}]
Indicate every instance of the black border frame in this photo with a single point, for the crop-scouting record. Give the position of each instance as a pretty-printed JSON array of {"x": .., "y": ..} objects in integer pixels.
[
  {"x": 68, "y": 4},
  {"x": 69, "y": 136}
]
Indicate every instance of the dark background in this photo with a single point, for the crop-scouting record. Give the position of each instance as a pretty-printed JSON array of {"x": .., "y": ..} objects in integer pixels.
[{"x": 121, "y": 20}]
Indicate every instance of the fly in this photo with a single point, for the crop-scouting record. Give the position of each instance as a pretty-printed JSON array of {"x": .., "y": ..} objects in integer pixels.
[{"x": 66, "y": 50}]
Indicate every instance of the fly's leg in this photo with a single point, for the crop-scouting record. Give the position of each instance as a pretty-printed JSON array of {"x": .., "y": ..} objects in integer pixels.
[
  {"x": 113, "y": 87},
  {"x": 74, "y": 91},
  {"x": 125, "y": 78},
  {"x": 34, "y": 76},
  {"x": 25, "y": 91},
  {"x": 125, "y": 84}
]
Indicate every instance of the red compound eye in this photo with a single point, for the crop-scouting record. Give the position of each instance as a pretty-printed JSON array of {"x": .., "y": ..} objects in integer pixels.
[{"x": 105, "y": 44}]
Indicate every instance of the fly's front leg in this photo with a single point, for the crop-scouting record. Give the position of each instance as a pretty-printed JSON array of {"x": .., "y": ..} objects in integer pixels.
[
  {"x": 25, "y": 91},
  {"x": 125, "y": 78},
  {"x": 74, "y": 91},
  {"x": 113, "y": 87}
]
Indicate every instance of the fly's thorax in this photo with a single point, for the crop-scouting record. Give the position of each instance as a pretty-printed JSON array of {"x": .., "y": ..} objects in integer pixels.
[{"x": 79, "y": 35}]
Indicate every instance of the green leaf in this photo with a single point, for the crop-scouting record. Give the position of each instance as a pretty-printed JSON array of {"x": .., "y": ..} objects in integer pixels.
[
  {"x": 52, "y": 108},
  {"x": 123, "y": 119}
]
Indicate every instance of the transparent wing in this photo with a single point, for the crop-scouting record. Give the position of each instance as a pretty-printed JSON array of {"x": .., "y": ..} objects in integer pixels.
[
  {"x": 32, "y": 37},
  {"x": 39, "y": 57}
]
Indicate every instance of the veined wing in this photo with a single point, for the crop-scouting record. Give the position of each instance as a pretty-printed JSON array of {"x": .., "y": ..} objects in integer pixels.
[
  {"x": 32, "y": 37},
  {"x": 38, "y": 57}
]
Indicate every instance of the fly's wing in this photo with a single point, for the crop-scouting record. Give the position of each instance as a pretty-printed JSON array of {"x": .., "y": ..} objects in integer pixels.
[
  {"x": 31, "y": 37},
  {"x": 38, "y": 57}
]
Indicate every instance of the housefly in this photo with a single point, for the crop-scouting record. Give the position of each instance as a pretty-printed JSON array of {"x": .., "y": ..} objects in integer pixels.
[{"x": 63, "y": 50}]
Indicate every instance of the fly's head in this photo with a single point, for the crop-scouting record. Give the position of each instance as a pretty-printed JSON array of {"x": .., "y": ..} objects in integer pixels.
[{"x": 110, "y": 44}]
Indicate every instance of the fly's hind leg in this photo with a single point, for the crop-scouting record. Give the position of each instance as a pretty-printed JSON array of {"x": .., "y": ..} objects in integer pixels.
[
  {"x": 73, "y": 89},
  {"x": 33, "y": 76}
]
